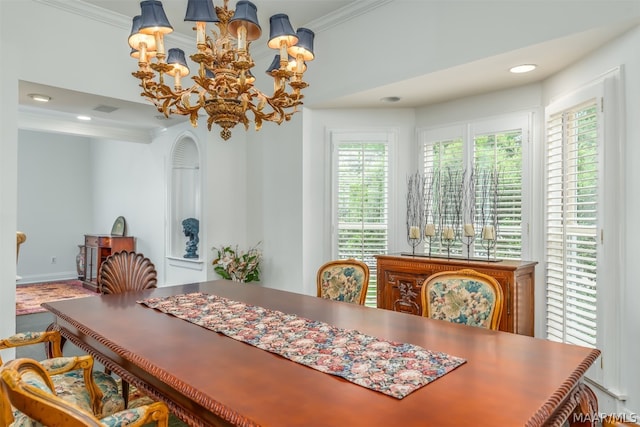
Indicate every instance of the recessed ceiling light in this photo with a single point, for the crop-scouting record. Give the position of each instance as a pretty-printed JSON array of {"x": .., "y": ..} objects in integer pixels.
[
  {"x": 85, "y": 118},
  {"x": 524, "y": 68},
  {"x": 390, "y": 99},
  {"x": 39, "y": 97}
]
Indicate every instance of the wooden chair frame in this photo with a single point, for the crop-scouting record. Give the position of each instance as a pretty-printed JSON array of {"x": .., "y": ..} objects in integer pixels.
[
  {"x": 496, "y": 315},
  {"x": 48, "y": 408},
  {"x": 347, "y": 263}
]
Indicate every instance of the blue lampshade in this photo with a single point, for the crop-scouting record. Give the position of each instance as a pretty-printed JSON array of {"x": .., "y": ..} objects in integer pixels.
[
  {"x": 281, "y": 29},
  {"x": 304, "y": 46},
  {"x": 136, "y": 37},
  {"x": 275, "y": 64},
  {"x": 246, "y": 14},
  {"x": 153, "y": 18},
  {"x": 177, "y": 59},
  {"x": 201, "y": 11}
]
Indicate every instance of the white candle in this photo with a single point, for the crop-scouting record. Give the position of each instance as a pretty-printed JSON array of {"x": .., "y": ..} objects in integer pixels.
[
  {"x": 414, "y": 232},
  {"x": 488, "y": 233},
  {"x": 448, "y": 234},
  {"x": 430, "y": 230},
  {"x": 469, "y": 231}
]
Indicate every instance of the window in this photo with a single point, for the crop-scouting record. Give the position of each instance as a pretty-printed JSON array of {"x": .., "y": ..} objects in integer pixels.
[
  {"x": 486, "y": 162},
  {"x": 572, "y": 224},
  {"x": 583, "y": 216},
  {"x": 361, "y": 199}
]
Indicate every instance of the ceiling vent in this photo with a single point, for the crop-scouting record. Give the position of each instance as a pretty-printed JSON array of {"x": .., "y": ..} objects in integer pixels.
[{"x": 105, "y": 109}]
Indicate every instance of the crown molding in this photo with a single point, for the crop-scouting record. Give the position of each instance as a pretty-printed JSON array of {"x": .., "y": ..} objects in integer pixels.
[
  {"x": 47, "y": 122},
  {"x": 87, "y": 10}
]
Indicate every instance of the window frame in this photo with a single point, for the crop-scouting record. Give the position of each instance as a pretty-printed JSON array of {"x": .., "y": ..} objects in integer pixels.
[
  {"x": 467, "y": 131},
  {"x": 607, "y": 89},
  {"x": 390, "y": 138}
]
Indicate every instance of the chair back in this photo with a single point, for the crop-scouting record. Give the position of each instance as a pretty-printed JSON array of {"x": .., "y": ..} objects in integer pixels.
[
  {"x": 464, "y": 296},
  {"x": 20, "y": 239},
  {"x": 126, "y": 271},
  {"x": 28, "y": 387},
  {"x": 343, "y": 280}
]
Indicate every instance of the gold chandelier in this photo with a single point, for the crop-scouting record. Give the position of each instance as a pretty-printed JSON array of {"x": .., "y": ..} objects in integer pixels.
[{"x": 223, "y": 86}]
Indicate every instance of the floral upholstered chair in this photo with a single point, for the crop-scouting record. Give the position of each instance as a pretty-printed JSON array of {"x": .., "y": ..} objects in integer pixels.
[
  {"x": 29, "y": 388},
  {"x": 463, "y": 296},
  {"x": 68, "y": 375},
  {"x": 343, "y": 280}
]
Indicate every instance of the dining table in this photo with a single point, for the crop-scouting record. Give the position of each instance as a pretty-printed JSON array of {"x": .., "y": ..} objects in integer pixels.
[{"x": 175, "y": 344}]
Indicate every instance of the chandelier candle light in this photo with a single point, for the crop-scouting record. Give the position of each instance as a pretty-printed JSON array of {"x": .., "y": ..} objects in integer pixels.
[{"x": 223, "y": 85}]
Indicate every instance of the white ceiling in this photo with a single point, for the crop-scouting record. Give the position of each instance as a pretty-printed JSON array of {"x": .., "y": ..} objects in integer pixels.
[{"x": 489, "y": 74}]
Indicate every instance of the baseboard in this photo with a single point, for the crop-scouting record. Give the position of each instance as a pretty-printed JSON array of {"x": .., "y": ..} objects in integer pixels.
[{"x": 51, "y": 277}]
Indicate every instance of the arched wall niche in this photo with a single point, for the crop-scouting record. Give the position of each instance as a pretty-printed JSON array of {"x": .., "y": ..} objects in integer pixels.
[{"x": 185, "y": 199}]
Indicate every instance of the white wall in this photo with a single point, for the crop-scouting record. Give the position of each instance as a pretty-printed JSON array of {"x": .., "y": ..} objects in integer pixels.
[
  {"x": 621, "y": 52},
  {"x": 316, "y": 161},
  {"x": 8, "y": 182},
  {"x": 55, "y": 203}
]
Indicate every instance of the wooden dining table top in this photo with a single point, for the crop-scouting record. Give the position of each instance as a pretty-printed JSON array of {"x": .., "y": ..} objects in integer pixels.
[{"x": 507, "y": 380}]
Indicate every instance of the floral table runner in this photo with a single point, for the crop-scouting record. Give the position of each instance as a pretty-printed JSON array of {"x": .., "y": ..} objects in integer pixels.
[{"x": 392, "y": 368}]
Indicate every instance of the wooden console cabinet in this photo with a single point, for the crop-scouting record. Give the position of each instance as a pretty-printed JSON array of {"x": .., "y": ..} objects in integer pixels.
[
  {"x": 400, "y": 279},
  {"x": 96, "y": 249}
]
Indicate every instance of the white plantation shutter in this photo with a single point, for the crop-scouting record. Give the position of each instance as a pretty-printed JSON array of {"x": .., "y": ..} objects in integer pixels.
[
  {"x": 502, "y": 152},
  {"x": 572, "y": 224},
  {"x": 484, "y": 146},
  {"x": 361, "y": 199},
  {"x": 442, "y": 158}
]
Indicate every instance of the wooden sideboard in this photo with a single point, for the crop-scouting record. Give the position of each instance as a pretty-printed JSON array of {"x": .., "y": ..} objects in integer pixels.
[
  {"x": 96, "y": 249},
  {"x": 400, "y": 279}
]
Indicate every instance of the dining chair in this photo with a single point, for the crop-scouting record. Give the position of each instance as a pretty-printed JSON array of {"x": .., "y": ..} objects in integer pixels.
[
  {"x": 30, "y": 389},
  {"x": 464, "y": 296},
  {"x": 126, "y": 271},
  {"x": 343, "y": 280},
  {"x": 68, "y": 373}
]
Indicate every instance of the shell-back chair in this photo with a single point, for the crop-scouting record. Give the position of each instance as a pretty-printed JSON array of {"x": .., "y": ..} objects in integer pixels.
[
  {"x": 30, "y": 389},
  {"x": 126, "y": 271},
  {"x": 464, "y": 296},
  {"x": 343, "y": 280}
]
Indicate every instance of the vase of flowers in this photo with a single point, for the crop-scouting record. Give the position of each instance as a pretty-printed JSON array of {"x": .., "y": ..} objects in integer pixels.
[{"x": 234, "y": 264}]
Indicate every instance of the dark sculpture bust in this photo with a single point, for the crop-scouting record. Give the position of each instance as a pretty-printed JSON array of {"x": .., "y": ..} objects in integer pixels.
[{"x": 191, "y": 227}]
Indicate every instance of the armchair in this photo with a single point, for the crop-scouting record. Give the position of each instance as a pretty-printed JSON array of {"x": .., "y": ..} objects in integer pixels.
[{"x": 30, "y": 389}]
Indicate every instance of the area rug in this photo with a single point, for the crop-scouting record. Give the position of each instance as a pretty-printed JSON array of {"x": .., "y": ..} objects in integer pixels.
[{"x": 29, "y": 297}]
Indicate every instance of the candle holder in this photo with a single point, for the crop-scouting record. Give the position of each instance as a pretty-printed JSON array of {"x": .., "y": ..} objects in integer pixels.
[
  {"x": 414, "y": 238},
  {"x": 447, "y": 243},
  {"x": 489, "y": 245},
  {"x": 488, "y": 236},
  {"x": 469, "y": 236},
  {"x": 429, "y": 233},
  {"x": 468, "y": 241},
  {"x": 429, "y": 238}
]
